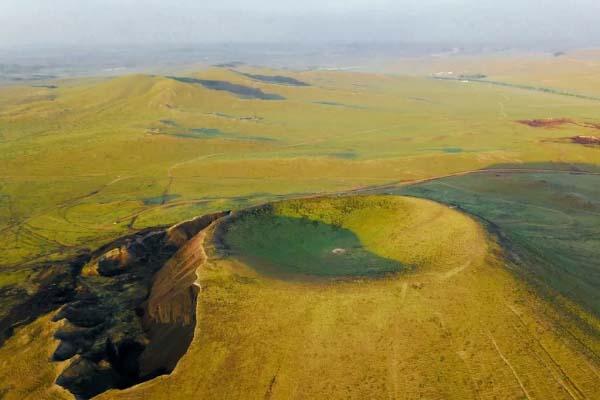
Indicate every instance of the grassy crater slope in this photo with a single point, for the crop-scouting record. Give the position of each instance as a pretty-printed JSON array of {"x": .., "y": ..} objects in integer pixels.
[
  {"x": 458, "y": 326},
  {"x": 348, "y": 236}
]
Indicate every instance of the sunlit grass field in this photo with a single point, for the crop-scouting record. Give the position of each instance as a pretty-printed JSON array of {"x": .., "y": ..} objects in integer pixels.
[
  {"x": 304, "y": 288},
  {"x": 93, "y": 159}
]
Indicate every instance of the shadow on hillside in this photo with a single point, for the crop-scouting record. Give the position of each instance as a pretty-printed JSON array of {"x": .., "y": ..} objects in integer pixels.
[
  {"x": 241, "y": 91},
  {"x": 546, "y": 220},
  {"x": 275, "y": 79}
]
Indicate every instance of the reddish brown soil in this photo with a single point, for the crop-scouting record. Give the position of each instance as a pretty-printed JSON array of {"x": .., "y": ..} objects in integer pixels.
[
  {"x": 588, "y": 140},
  {"x": 546, "y": 123},
  {"x": 557, "y": 122},
  {"x": 591, "y": 125}
]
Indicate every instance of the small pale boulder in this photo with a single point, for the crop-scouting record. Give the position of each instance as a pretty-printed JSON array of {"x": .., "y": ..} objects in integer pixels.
[{"x": 115, "y": 261}]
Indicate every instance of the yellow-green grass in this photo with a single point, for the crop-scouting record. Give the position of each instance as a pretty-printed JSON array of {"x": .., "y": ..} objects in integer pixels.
[
  {"x": 79, "y": 163},
  {"x": 574, "y": 72},
  {"x": 26, "y": 372},
  {"x": 11, "y": 278},
  {"x": 459, "y": 326}
]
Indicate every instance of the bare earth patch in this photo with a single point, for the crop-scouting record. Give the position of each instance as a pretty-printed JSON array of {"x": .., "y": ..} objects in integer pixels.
[
  {"x": 557, "y": 122},
  {"x": 546, "y": 123},
  {"x": 587, "y": 140}
]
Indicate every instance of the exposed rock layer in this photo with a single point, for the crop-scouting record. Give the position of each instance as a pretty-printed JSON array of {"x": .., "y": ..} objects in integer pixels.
[{"x": 132, "y": 315}]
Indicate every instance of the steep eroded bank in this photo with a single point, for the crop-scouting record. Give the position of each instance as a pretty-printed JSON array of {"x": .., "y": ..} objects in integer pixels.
[{"x": 132, "y": 314}]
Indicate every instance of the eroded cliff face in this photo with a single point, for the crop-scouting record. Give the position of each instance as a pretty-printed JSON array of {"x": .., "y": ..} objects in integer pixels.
[
  {"x": 170, "y": 311},
  {"x": 132, "y": 315}
]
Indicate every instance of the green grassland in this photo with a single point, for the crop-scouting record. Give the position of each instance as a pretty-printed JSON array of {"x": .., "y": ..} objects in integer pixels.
[
  {"x": 79, "y": 161},
  {"x": 90, "y": 160}
]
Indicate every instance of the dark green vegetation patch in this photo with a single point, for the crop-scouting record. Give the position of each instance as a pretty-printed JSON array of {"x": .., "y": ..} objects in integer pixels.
[
  {"x": 171, "y": 128},
  {"x": 149, "y": 201},
  {"x": 335, "y": 104},
  {"x": 452, "y": 150},
  {"x": 549, "y": 222},
  {"x": 345, "y": 155},
  {"x": 201, "y": 133}
]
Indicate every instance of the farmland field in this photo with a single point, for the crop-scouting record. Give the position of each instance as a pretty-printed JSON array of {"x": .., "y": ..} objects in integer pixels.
[{"x": 395, "y": 234}]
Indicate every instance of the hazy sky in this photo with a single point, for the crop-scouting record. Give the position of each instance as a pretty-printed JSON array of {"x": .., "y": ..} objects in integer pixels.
[{"x": 56, "y": 22}]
